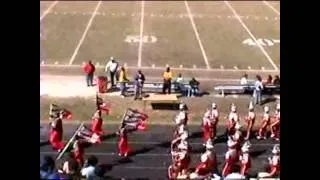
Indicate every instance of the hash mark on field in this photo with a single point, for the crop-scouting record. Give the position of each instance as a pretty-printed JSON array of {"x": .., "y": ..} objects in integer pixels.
[
  {"x": 141, "y": 34},
  {"x": 271, "y": 7},
  {"x": 249, "y": 67},
  {"x": 48, "y": 10},
  {"x": 56, "y": 62},
  {"x": 84, "y": 33},
  {"x": 252, "y": 36},
  {"x": 42, "y": 62},
  {"x": 197, "y": 35},
  {"x": 266, "y": 18}
]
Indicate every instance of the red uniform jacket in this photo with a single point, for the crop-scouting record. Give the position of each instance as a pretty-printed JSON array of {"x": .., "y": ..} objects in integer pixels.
[
  {"x": 89, "y": 68},
  {"x": 97, "y": 126}
]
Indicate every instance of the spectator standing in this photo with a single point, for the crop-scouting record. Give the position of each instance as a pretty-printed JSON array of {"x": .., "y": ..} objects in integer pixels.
[
  {"x": 71, "y": 167},
  {"x": 244, "y": 79},
  {"x": 112, "y": 67},
  {"x": 258, "y": 87},
  {"x": 88, "y": 170},
  {"x": 139, "y": 81},
  {"x": 89, "y": 70},
  {"x": 167, "y": 77},
  {"x": 194, "y": 87},
  {"x": 276, "y": 80},
  {"x": 123, "y": 79}
]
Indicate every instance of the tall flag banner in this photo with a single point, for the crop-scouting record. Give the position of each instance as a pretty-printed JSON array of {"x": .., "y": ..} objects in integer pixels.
[
  {"x": 101, "y": 105},
  {"x": 55, "y": 112},
  {"x": 135, "y": 118}
]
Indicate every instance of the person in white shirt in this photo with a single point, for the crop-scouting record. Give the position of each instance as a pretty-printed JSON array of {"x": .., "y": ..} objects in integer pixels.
[
  {"x": 258, "y": 87},
  {"x": 243, "y": 80},
  {"x": 112, "y": 67},
  {"x": 88, "y": 170}
]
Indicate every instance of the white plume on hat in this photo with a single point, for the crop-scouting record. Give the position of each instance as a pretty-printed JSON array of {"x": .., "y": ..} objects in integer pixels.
[
  {"x": 238, "y": 126},
  {"x": 276, "y": 149},
  {"x": 233, "y": 107},
  {"x": 278, "y": 106},
  {"x": 204, "y": 158},
  {"x": 209, "y": 144},
  {"x": 251, "y": 106},
  {"x": 213, "y": 105},
  {"x": 184, "y": 135},
  {"x": 266, "y": 109},
  {"x": 111, "y": 58}
]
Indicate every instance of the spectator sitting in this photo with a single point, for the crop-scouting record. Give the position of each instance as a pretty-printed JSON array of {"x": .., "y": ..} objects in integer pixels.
[
  {"x": 89, "y": 168},
  {"x": 194, "y": 87},
  {"x": 244, "y": 79},
  {"x": 269, "y": 80},
  {"x": 276, "y": 80},
  {"x": 47, "y": 169},
  {"x": 71, "y": 167},
  {"x": 179, "y": 84},
  {"x": 99, "y": 172}
]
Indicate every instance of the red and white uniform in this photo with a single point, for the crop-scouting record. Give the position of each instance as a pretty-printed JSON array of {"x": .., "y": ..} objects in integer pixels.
[
  {"x": 237, "y": 137},
  {"x": 209, "y": 124},
  {"x": 250, "y": 119},
  {"x": 55, "y": 136},
  {"x": 123, "y": 147},
  {"x": 274, "y": 162},
  {"x": 231, "y": 158},
  {"x": 96, "y": 126},
  {"x": 275, "y": 126},
  {"x": 245, "y": 160},
  {"x": 233, "y": 118},
  {"x": 265, "y": 123}
]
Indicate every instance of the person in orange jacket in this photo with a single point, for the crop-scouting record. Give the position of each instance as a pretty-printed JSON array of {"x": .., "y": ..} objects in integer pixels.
[{"x": 89, "y": 70}]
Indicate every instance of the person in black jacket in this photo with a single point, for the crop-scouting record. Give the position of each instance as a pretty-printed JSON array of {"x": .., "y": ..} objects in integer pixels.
[
  {"x": 194, "y": 84},
  {"x": 139, "y": 81}
]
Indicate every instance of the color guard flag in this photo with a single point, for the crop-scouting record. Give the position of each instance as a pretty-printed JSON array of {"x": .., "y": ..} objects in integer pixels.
[
  {"x": 135, "y": 118},
  {"x": 55, "y": 112},
  {"x": 101, "y": 105}
]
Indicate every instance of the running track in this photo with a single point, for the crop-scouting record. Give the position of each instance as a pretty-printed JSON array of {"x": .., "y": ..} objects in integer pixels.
[{"x": 152, "y": 151}]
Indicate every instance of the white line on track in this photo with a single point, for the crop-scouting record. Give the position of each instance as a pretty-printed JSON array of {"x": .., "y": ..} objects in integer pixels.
[
  {"x": 156, "y": 143},
  {"x": 173, "y": 68},
  {"x": 141, "y": 33},
  {"x": 197, "y": 35},
  {"x": 140, "y": 155},
  {"x": 252, "y": 36},
  {"x": 47, "y": 11},
  {"x": 271, "y": 7},
  {"x": 85, "y": 33}
]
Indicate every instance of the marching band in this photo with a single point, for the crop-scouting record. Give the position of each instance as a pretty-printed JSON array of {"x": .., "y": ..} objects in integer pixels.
[{"x": 238, "y": 145}]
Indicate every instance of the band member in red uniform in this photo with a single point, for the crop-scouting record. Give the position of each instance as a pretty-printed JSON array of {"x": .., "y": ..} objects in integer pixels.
[
  {"x": 237, "y": 137},
  {"x": 55, "y": 136},
  {"x": 182, "y": 116},
  {"x": 250, "y": 119},
  {"x": 274, "y": 164},
  {"x": 180, "y": 129},
  {"x": 233, "y": 118},
  {"x": 209, "y": 123},
  {"x": 275, "y": 126},
  {"x": 265, "y": 123},
  {"x": 245, "y": 159},
  {"x": 78, "y": 151},
  {"x": 123, "y": 146},
  {"x": 97, "y": 123},
  {"x": 231, "y": 158},
  {"x": 182, "y": 157}
]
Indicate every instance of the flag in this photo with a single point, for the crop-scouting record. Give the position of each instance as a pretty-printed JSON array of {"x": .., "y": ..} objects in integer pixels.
[
  {"x": 69, "y": 145},
  {"x": 135, "y": 118},
  {"x": 101, "y": 105},
  {"x": 56, "y": 110}
]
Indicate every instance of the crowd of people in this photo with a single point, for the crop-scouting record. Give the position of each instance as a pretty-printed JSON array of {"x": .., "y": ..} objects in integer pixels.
[{"x": 238, "y": 145}]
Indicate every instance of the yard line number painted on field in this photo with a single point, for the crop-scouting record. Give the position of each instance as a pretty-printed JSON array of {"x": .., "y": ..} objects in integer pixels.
[
  {"x": 262, "y": 42},
  {"x": 136, "y": 39}
]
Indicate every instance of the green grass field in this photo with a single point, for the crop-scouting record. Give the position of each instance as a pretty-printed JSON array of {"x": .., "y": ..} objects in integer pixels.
[{"x": 220, "y": 33}]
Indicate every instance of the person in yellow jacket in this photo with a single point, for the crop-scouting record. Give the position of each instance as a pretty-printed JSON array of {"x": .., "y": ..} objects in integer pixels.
[
  {"x": 167, "y": 77},
  {"x": 123, "y": 79}
]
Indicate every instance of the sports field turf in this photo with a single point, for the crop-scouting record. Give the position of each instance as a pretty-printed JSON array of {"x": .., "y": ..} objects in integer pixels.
[{"x": 208, "y": 35}]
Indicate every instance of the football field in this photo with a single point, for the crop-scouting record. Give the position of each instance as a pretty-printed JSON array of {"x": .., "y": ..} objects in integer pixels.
[{"x": 221, "y": 35}]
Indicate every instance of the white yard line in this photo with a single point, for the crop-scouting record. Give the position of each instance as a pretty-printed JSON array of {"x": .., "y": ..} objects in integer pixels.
[
  {"x": 141, "y": 34},
  {"x": 252, "y": 36},
  {"x": 47, "y": 11},
  {"x": 197, "y": 35},
  {"x": 271, "y": 7},
  {"x": 84, "y": 33}
]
